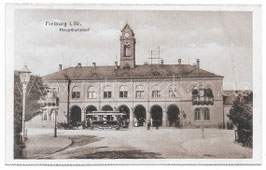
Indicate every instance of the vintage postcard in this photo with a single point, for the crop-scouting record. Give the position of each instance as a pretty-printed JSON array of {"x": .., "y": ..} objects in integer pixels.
[{"x": 124, "y": 84}]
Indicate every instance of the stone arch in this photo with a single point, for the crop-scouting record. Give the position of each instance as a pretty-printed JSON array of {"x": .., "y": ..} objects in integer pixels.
[
  {"x": 173, "y": 116},
  {"x": 75, "y": 115},
  {"x": 140, "y": 114},
  {"x": 124, "y": 109},
  {"x": 107, "y": 108},
  {"x": 90, "y": 109},
  {"x": 156, "y": 115}
]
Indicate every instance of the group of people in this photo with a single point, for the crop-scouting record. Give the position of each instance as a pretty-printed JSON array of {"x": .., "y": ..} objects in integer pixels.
[{"x": 140, "y": 122}]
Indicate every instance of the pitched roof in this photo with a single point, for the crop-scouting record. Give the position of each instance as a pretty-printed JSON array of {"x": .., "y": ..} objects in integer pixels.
[
  {"x": 140, "y": 71},
  {"x": 126, "y": 27}
]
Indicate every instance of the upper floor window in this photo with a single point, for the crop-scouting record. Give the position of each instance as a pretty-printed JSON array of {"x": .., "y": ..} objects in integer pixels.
[
  {"x": 127, "y": 50},
  {"x": 123, "y": 92},
  {"x": 156, "y": 92},
  {"x": 172, "y": 91},
  {"x": 107, "y": 92},
  {"x": 201, "y": 91},
  {"x": 202, "y": 96},
  {"x": 91, "y": 94},
  {"x": 197, "y": 114},
  {"x": 195, "y": 91},
  {"x": 139, "y": 91},
  {"x": 75, "y": 92}
]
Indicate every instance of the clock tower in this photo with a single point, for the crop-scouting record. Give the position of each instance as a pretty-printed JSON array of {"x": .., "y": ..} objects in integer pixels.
[{"x": 127, "y": 48}]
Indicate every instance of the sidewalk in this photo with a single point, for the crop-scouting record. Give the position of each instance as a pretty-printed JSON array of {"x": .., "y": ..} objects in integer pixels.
[
  {"x": 38, "y": 146},
  {"x": 217, "y": 147}
]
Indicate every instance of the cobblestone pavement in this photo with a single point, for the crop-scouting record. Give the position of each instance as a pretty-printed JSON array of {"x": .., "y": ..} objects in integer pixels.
[{"x": 139, "y": 143}]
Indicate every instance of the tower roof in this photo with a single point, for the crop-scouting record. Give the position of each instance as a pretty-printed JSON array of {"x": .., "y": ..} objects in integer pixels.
[{"x": 126, "y": 27}]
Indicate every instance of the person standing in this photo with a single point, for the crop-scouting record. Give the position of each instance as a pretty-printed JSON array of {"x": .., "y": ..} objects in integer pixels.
[
  {"x": 149, "y": 125},
  {"x": 157, "y": 124}
]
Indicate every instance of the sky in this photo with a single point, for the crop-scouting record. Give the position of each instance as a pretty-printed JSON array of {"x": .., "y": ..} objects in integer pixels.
[{"x": 221, "y": 40}]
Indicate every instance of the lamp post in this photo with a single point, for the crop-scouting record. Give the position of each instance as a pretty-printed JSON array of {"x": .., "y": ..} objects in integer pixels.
[
  {"x": 56, "y": 113},
  {"x": 55, "y": 125},
  {"x": 202, "y": 124},
  {"x": 24, "y": 78}
]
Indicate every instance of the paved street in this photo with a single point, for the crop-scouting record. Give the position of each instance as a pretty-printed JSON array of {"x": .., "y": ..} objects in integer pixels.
[{"x": 140, "y": 143}]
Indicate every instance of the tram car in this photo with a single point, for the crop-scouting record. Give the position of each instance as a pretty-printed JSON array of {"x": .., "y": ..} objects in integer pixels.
[{"x": 102, "y": 120}]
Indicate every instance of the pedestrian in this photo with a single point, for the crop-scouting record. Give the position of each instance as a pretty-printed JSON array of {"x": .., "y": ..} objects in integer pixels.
[
  {"x": 157, "y": 124},
  {"x": 149, "y": 125}
]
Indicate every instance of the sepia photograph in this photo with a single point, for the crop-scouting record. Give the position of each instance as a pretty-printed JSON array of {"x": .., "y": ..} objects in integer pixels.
[{"x": 133, "y": 84}]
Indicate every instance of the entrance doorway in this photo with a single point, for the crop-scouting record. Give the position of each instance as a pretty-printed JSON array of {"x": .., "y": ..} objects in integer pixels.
[
  {"x": 140, "y": 115},
  {"x": 173, "y": 116},
  {"x": 156, "y": 115},
  {"x": 75, "y": 115}
]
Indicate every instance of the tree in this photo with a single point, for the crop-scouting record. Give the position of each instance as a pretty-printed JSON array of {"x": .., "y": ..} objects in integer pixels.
[
  {"x": 241, "y": 115},
  {"x": 34, "y": 92}
]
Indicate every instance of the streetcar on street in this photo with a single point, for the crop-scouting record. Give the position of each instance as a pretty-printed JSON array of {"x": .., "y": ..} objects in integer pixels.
[{"x": 102, "y": 120}]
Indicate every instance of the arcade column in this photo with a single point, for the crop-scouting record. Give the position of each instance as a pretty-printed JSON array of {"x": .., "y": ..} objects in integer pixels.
[
  {"x": 131, "y": 118},
  {"x": 83, "y": 112},
  {"x": 164, "y": 118},
  {"x": 148, "y": 115}
]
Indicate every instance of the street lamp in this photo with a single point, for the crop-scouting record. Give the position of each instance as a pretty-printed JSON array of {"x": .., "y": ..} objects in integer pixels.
[
  {"x": 24, "y": 78},
  {"x": 55, "y": 116},
  {"x": 202, "y": 125}
]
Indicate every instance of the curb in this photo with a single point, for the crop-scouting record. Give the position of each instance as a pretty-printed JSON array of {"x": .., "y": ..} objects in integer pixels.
[{"x": 58, "y": 150}]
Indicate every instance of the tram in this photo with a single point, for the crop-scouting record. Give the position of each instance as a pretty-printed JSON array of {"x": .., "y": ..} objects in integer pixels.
[{"x": 101, "y": 120}]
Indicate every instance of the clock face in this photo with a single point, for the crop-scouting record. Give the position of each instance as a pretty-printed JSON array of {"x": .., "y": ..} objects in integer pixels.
[{"x": 127, "y": 34}]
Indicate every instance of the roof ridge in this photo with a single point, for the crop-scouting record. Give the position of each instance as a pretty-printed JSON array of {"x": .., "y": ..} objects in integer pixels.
[{"x": 140, "y": 71}]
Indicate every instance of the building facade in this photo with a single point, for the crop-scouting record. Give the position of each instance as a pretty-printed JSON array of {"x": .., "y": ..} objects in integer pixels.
[{"x": 178, "y": 95}]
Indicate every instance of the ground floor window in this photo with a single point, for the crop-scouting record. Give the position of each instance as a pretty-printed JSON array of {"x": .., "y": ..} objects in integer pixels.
[
  {"x": 205, "y": 111},
  {"x": 197, "y": 114},
  {"x": 206, "y": 114}
]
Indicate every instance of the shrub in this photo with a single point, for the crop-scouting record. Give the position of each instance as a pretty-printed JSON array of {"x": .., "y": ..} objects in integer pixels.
[{"x": 241, "y": 114}]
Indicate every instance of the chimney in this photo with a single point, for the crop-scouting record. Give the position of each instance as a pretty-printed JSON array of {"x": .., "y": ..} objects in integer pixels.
[
  {"x": 162, "y": 62},
  {"x": 60, "y": 67},
  {"x": 79, "y": 64},
  {"x": 179, "y": 61},
  {"x": 198, "y": 63},
  {"x": 94, "y": 64},
  {"x": 116, "y": 65}
]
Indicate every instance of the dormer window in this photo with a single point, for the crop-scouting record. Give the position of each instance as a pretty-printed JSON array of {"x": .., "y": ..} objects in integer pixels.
[{"x": 156, "y": 73}]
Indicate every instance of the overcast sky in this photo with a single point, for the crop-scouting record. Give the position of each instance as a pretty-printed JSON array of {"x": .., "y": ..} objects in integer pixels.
[{"x": 221, "y": 40}]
